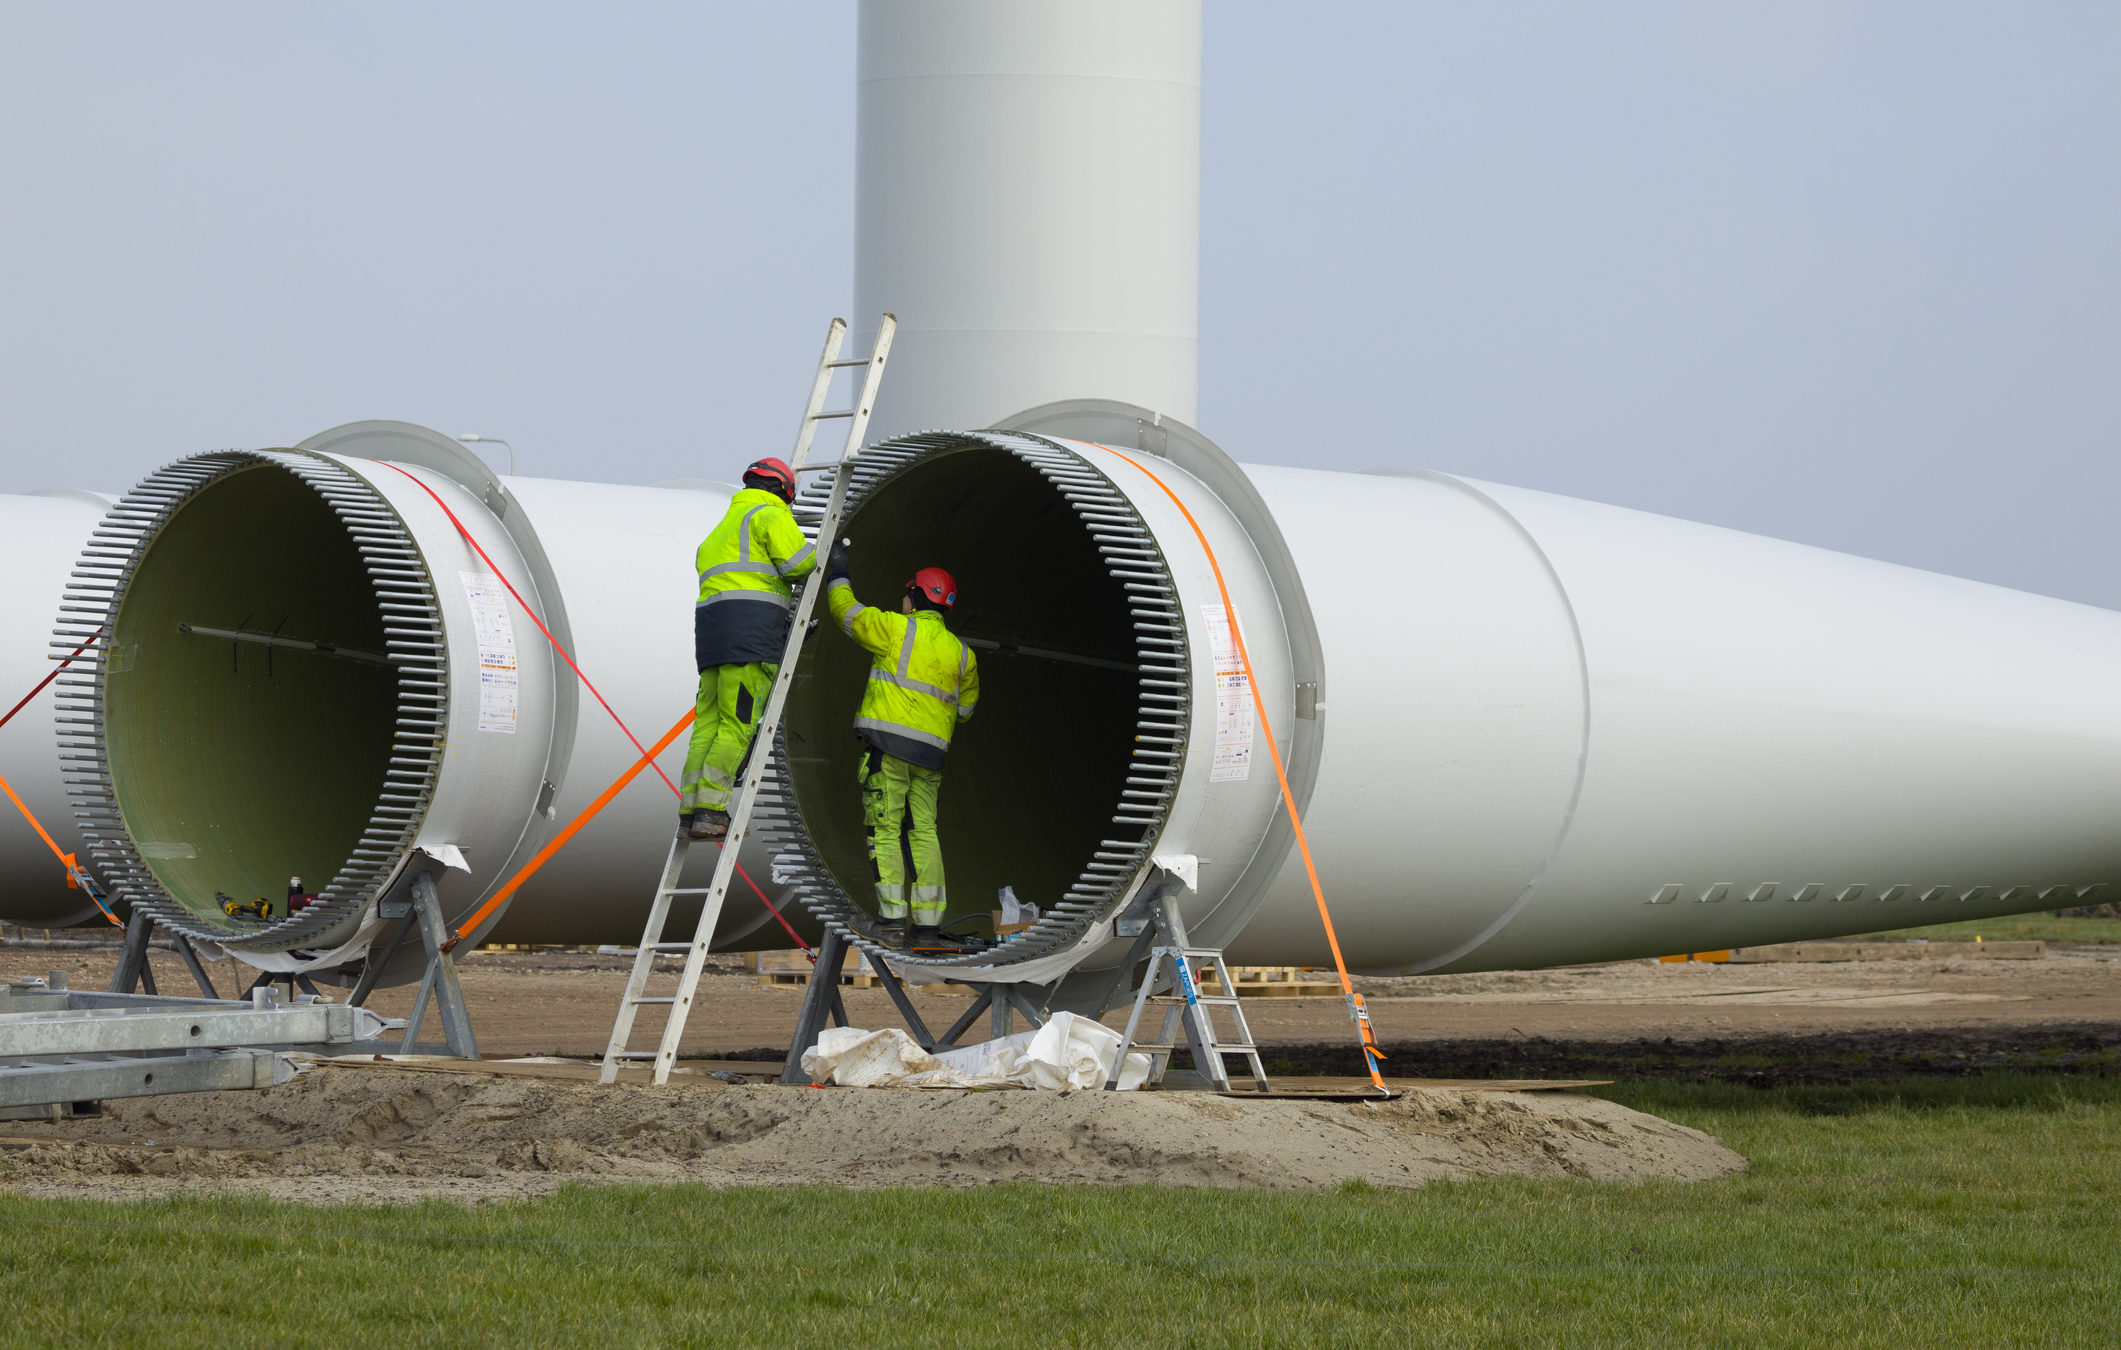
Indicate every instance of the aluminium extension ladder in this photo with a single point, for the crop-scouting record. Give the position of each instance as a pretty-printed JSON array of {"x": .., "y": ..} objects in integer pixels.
[{"x": 652, "y": 945}]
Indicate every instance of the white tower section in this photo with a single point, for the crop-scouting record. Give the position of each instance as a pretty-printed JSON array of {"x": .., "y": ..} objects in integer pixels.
[{"x": 1027, "y": 202}]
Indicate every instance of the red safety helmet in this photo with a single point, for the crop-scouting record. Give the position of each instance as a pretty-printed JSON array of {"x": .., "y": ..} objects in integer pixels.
[
  {"x": 936, "y": 584},
  {"x": 774, "y": 475}
]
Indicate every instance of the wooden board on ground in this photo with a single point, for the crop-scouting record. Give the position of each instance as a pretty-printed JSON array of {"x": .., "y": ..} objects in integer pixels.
[{"x": 1357, "y": 1089}]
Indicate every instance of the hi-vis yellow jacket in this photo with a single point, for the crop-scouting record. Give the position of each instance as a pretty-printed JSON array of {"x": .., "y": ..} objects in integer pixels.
[
  {"x": 745, "y": 567},
  {"x": 922, "y": 682}
]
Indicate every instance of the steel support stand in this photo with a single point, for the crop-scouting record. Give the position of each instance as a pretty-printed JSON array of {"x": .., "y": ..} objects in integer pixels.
[
  {"x": 191, "y": 963},
  {"x": 379, "y": 957},
  {"x": 1123, "y": 976},
  {"x": 440, "y": 982},
  {"x": 958, "y": 1028},
  {"x": 133, "y": 970},
  {"x": 897, "y": 991},
  {"x": 820, "y": 1000},
  {"x": 1034, "y": 1013}
]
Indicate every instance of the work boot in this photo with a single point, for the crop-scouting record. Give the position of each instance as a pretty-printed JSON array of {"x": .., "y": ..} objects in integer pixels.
[
  {"x": 883, "y": 932},
  {"x": 709, "y": 823},
  {"x": 929, "y": 937},
  {"x": 685, "y": 824}
]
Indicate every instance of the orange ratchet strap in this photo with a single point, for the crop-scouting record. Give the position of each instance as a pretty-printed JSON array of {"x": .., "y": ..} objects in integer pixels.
[
  {"x": 77, "y": 877},
  {"x": 1358, "y": 1012}
]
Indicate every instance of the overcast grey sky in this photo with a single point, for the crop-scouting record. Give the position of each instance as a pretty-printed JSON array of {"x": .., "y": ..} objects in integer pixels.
[{"x": 1841, "y": 273}]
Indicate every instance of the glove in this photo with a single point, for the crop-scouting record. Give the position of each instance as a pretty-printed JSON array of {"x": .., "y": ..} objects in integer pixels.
[{"x": 836, "y": 561}]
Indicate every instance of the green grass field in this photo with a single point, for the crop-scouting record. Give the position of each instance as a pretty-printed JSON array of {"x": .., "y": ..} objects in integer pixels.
[
  {"x": 1973, "y": 1211},
  {"x": 2016, "y": 927}
]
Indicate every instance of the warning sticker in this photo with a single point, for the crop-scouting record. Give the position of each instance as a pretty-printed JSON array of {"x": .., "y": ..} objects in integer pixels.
[
  {"x": 495, "y": 632},
  {"x": 1233, "y": 702}
]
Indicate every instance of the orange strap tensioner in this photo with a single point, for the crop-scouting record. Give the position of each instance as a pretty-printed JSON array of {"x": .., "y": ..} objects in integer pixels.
[{"x": 1358, "y": 1012}]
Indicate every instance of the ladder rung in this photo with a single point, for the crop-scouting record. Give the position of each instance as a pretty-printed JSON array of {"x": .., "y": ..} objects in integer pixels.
[
  {"x": 644, "y": 1002},
  {"x": 842, "y": 365},
  {"x": 689, "y": 890},
  {"x": 826, "y": 417},
  {"x": 670, "y": 947},
  {"x": 635, "y": 1054}
]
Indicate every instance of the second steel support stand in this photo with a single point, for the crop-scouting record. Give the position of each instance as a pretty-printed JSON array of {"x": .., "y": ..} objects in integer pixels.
[
  {"x": 133, "y": 970},
  {"x": 440, "y": 981}
]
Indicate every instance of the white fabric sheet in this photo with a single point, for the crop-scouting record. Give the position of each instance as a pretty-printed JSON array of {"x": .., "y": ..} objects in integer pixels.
[{"x": 1068, "y": 1053}]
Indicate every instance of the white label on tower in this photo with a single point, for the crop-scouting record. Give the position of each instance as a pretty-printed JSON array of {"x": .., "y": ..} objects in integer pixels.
[
  {"x": 495, "y": 630},
  {"x": 1233, "y": 702}
]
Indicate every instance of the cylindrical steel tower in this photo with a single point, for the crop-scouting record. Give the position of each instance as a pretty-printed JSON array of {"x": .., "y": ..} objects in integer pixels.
[{"x": 1027, "y": 202}]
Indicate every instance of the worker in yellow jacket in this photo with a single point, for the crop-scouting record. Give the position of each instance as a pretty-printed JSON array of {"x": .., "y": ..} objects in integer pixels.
[
  {"x": 922, "y": 683},
  {"x": 739, "y": 629}
]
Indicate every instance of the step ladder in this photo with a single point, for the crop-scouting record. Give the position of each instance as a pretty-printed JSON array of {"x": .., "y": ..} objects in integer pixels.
[
  {"x": 1174, "y": 960},
  {"x": 679, "y": 1001}
]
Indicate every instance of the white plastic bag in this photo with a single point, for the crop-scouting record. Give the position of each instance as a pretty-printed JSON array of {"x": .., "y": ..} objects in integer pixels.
[
  {"x": 1069, "y": 1052},
  {"x": 1016, "y": 911}
]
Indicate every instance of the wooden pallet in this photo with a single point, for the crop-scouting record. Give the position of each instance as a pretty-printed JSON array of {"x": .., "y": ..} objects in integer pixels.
[
  {"x": 792, "y": 970},
  {"x": 1275, "y": 982},
  {"x": 800, "y": 979}
]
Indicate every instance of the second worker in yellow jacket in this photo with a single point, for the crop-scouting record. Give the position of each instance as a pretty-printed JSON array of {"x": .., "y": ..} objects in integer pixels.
[{"x": 923, "y": 681}]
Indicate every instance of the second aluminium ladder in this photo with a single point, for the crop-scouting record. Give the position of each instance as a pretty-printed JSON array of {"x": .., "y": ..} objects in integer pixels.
[{"x": 679, "y": 1003}]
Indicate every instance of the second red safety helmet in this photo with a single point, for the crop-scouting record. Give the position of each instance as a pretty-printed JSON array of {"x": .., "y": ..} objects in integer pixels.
[
  {"x": 773, "y": 475},
  {"x": 936, "y": 584}
]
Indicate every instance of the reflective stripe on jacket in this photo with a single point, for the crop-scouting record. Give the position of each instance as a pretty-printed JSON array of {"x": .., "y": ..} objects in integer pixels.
[
  {"x": 922, "y": 682},
  {"x": 754, "y": 552},
  {"x": 745, "y": 566}
]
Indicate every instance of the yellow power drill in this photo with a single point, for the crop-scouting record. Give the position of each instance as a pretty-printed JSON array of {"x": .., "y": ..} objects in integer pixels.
[{"x": 236, "y": 909}]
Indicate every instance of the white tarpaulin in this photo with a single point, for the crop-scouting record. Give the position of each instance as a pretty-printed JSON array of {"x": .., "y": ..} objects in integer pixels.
[{"x": 1067, "y": 1052}]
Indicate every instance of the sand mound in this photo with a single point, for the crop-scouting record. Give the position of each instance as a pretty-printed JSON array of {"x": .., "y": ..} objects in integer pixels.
[{"x": 343, "y": 1133}]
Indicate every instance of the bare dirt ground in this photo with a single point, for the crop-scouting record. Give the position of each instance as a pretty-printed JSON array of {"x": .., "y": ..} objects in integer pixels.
[
  {"x": 342, "y": 1132},
  {"x": 562, "y": 1003}
]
